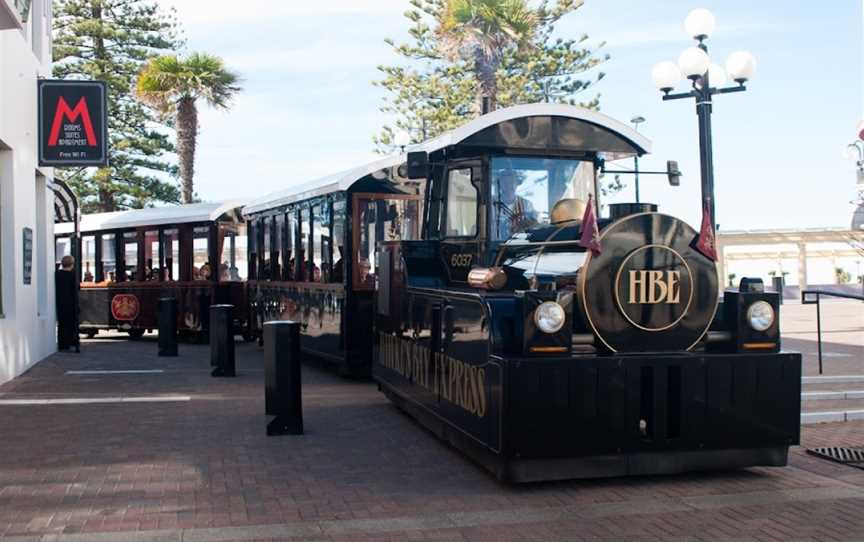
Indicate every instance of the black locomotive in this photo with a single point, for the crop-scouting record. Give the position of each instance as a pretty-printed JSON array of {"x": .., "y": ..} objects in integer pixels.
[{"x": 504, "y": 335}]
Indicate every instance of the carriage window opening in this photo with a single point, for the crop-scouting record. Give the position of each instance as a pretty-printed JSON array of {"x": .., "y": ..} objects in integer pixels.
[
  {"x": 461, "y": 204},
  {"x": 62, "y": 247},
  {"x": 109, "y": 258},
  {"x": 252, "y": 242},
  {"x": 265, "y": 249},
  {"x": 305, "y": 238},
  {"x": 201, "y": 268},
  {"x": 382, "y": 220},
  {"x": 291, "y": 248},
  {"x": 130, "y": 255},
  {"x": 277, "y": 254},
  {"x": 172, "y": 254},
  {"x": 232, "y": 263},
  {"x": 152, "y": 265},
  {"x": 339, "y": 210},
  {"x": 321, "y": 243},
  {"x": 88, "y": 258},
  {"x": 526, "y": 189}
]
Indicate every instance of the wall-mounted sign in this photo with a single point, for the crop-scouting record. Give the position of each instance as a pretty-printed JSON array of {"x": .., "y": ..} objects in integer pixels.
[
  {"x": 28, "y": 255},
  {"x": 73, "y": 123}
]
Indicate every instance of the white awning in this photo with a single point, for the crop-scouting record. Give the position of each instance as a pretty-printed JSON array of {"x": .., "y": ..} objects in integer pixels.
[
  {"x": 154, "y": 216},
  {"x": 343, "y": 180}
]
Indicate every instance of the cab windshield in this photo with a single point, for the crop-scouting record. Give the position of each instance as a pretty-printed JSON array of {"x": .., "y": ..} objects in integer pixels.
[{"x": 526, "y": 189}]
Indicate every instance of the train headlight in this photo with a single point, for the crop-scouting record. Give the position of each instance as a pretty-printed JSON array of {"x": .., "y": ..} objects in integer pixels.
[
  {"x": 760, "y": 315},
  {"x": 549, "y": 317}
]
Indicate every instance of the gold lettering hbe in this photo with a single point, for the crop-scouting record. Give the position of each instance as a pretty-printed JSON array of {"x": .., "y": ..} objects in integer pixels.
[{"x": 652, "y": 286}]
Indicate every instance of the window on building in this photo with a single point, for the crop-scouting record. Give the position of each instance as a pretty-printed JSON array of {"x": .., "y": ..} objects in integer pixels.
[
  {"x": 201, "y": 268},
  {"x": 109, "y": 259},
  {"x": 233, "y": 264},
  {"x": 461, "y": 204},
  {"x": 338, "y": 241},
  {"x": 130, "y": 255},
  {"x": 303, "y": 253},
  {"x": 88, "y": 259},
  {"x": 171, "y": 239}
]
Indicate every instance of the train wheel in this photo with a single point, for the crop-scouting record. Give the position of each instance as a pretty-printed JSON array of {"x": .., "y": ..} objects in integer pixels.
[{"x": 136, "y": 333}]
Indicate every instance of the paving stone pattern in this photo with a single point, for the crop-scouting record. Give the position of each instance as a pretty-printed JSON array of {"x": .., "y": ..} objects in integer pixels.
[{"x": 203, "y": 470}]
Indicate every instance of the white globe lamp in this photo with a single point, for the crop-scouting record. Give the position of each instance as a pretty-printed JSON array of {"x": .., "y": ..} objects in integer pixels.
[
  {"x": 402, "y": 139},
  {"x": 666, "y": 75},
  {"x": 699, "y": 23},
  {"x": 693, "y": 62},
  {"x": 741, "y": 65}
]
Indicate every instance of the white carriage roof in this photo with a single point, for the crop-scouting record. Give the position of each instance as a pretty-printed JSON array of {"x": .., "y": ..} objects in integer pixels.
[
  {"x": 344, "y": 179},
  {"x": 154, "y": 216}
]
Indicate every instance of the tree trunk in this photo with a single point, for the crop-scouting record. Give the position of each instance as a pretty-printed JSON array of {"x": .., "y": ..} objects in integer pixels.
[
  {"x": 487, "y": 83},
  {"x": 100, "y": 54},
  {"x": 187, "y": 133}
]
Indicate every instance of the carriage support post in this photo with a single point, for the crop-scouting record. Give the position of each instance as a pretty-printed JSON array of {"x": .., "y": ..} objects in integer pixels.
[
  {"x": 167, "y": 327},
  {"x": 222, "y": 340},
  {"x": 282, "y": 392}
]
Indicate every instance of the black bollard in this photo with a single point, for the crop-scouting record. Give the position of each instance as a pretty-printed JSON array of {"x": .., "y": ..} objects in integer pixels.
[
  {"x": 282, "y": 392},
  {"x": 778, "y": 286},
  {"x": 222, "y": 340},
  {"x": 167, "y": 326}
]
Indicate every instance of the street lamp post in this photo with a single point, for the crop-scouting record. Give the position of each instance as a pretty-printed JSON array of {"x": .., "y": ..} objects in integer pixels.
[
  {"x": 695, "y": 64},
  {"x": 637, "y": 120}
]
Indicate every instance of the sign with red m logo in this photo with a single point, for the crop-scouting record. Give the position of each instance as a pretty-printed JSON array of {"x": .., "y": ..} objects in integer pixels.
[{"x": 72, "y": 123}]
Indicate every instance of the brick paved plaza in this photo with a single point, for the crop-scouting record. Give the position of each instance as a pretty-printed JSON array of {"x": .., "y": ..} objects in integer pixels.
[{"x": 178, "y": 455}]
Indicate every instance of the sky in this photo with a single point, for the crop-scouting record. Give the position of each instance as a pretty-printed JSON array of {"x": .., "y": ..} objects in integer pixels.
[{"x": 308, "y": 106}]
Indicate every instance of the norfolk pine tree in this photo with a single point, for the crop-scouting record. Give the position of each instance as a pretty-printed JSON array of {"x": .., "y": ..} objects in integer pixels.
[
  {"x": 462, "y": 50},
  {"x": 111, "y": 40}
]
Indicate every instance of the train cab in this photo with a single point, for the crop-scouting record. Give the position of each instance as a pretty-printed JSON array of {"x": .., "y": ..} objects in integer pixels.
[{"x": 543, "y": 353}]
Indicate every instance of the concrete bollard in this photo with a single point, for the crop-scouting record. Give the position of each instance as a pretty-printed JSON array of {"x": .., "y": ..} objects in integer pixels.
[
  {"x": 282, "y": 392},
  {"x": 167, "y": 327},
  {"x": 222, "y": 340}
]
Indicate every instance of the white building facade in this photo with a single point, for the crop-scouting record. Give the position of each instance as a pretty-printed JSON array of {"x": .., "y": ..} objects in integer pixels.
[{"x": 27, "y": 314}]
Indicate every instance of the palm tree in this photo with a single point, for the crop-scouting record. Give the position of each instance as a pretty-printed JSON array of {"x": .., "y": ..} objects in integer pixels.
[
  {"x": 481, "y": 31},
  {"x": 173, "y": 86}
]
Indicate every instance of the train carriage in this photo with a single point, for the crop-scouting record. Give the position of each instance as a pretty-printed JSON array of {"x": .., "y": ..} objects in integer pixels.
[
  {"x": 127, "y": 260},
  {"x": 541, "y": 359},
  {"x": 312, "y": 256}
]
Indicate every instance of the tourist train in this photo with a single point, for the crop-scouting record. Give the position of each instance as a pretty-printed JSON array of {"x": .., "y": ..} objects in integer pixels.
[{"x": 475, "y": 279}]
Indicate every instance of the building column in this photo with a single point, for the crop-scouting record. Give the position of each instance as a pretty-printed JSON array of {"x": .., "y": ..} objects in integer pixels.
[
  {"x": 721, "y": 266},
  {"x": 802, "y": 265}
]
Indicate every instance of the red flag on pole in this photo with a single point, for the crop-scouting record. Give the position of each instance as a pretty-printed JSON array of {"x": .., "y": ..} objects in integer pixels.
[
  {"x": 706, "y": 244},
  {"x": 590, "y": 234}
]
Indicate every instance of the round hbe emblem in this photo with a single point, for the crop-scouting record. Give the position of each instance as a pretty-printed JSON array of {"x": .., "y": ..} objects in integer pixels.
[
  {"x": 654, "y": 287},
  {"x": 125, "y": 307}
]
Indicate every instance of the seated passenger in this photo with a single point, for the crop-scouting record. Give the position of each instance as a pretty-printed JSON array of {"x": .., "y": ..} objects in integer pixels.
[
  {"x": 204, "y": 273},
  {"x": 88, "y": 276}
]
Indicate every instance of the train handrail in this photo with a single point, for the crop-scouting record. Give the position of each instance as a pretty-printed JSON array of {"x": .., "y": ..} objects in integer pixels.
[{"x": 816, "y": 301}]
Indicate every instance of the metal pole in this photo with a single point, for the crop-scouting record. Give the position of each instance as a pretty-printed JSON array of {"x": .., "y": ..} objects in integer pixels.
[
  {"x": 703, "y": 111},
  {"x": 636, "y": 175},
  {"x": 819, "y": 331}
]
